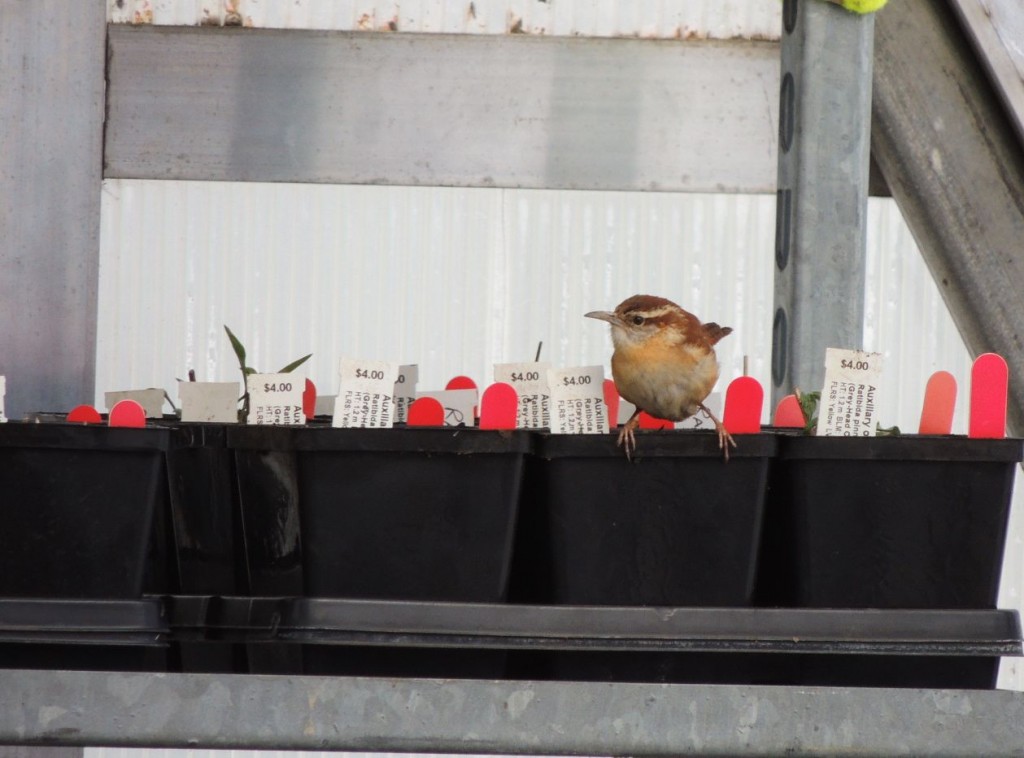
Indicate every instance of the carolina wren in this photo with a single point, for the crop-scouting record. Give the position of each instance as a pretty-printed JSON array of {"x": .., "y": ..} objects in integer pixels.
[{"x": 664, "y": 363}]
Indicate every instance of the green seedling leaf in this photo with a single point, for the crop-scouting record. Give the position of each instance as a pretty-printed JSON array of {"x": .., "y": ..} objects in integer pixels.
[
  {"x": 295, "y": 364},
  {"x": 237, "y": 346},
  {"x": 887, "y": 431},
  {"x": 809, "y": 407},
  {"x": 247, "y": 371}
]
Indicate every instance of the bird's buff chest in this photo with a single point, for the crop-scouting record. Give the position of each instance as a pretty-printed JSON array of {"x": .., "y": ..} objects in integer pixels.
[{"x": 668, "y": 380}]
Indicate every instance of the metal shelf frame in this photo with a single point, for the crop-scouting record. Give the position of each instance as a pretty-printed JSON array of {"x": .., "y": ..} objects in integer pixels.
[
  {"x": 59, "y": 144},
  {"x": 80, "y": 708},
  {"x": 501, "y": 717}
]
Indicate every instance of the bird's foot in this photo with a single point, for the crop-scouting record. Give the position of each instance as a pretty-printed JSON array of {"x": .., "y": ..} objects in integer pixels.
[
  {"x": 627, "y": 441},
  {"x": 725, "y": 439},
  {"x": 627, "y": 436}
]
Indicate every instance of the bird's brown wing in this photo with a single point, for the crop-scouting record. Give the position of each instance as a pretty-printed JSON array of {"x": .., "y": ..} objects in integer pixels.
[{"x": 714, "y": 332}]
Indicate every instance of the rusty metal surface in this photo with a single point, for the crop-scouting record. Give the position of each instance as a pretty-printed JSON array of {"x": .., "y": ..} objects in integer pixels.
[{"x": 693, "y": 19}]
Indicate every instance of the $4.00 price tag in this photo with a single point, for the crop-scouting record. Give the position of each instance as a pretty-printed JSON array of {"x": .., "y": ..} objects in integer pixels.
[
  {"x": 366, "y": 394},
  {"x": 850, "y": 395},
  {"x": 577, "y": 400},
  {"x": 276, "y": 399},
  {"x": 530, "y": 381}
]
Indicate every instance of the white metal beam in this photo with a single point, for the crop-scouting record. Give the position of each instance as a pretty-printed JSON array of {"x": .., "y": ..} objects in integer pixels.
[{"x": 441, "y": 110}]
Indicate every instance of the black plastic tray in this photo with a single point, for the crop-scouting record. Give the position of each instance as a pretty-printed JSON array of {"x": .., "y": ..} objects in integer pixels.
[
  {"x": 102, "y": 635},
  {"x": 896, "y": 648}
]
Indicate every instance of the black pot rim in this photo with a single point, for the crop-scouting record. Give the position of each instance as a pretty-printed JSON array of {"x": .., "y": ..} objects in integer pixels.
[
  {"x": 429, "y": 440},
  {"x": 909, "y": 447},
  {"x": 656, "y": 443},
  {"x": 29, "y": 435}
]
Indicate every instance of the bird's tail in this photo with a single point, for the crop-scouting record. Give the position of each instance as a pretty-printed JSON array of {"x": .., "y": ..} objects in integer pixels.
[{"x": 714, "y": 332}]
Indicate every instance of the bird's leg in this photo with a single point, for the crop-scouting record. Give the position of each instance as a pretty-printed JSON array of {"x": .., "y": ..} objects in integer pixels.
[
  {"x": 724, "y": 438},
  {"x": 627, "y": 440}
]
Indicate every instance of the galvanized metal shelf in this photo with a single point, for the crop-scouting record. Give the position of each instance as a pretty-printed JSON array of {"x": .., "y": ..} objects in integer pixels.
[{"x": 505, "y": 717}]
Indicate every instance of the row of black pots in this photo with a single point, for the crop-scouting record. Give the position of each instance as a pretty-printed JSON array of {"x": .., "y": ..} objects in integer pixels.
[{"x": 486, "y": 516}]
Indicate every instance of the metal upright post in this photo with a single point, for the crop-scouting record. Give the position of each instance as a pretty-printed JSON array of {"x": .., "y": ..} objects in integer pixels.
[
  {"x": 52, "y": 55},
  {"x": 824, "y": 150}
]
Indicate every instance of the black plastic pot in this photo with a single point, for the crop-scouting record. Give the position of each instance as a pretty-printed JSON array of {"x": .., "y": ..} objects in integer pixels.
[
  {"x": 78, "y": 506},
  {"x": 403, "y": 514},
  {"x": 887, "y": 522},
  {"x": 676, "y": 527}
]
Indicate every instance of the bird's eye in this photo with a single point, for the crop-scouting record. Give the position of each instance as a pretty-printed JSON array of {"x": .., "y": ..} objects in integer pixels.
[{"x": 638, "y": 320}]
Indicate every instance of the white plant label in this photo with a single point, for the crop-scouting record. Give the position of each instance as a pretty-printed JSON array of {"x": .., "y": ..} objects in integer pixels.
[
  {"x": 404, "y": 392},
  {"x": 3, "y": 392},
  {"x": 850, "y": 394},
  {"x": 700, "y": 420},
  {"x": 151, "y": 400},
  {"x": 530, "y": 381},
  {"x": 276, "y": 399},
  {"x": 458, "y": 405},
  {"x": 366, "y": 394},
  {"x": 577, "y": 400},
  {"x": 209, "y": 401}
]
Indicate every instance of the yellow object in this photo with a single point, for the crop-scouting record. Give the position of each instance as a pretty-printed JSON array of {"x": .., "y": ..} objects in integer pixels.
[{"x": 861, "y": 6}]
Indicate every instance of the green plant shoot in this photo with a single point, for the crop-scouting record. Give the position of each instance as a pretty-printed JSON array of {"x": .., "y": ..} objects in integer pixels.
[{"x": 239, "y": 348}]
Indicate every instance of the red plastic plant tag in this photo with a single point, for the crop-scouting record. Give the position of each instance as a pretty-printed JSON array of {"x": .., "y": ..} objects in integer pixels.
[
  {"x": 463, "y": 383},
  {"x": 84, "y": 414},
  {"x": 460, "y": 383},
  {"x": 309, "y": 400},
  {"x": 498, "y": 407},
  {"x": 426, "y": 411},
  {"x": 939, "y": 402},
  {"x": 788, "y": 413},
  {"x": 744, "y": 400},
  {"x": 647, "y": 421},
  {"x": 611, "y": 399},
  {"x": 127, "y": 413},
  {"x": 989, "y": 383}
]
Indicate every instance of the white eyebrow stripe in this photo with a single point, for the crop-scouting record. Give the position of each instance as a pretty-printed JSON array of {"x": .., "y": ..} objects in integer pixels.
[{"x": 655, "y": 313}]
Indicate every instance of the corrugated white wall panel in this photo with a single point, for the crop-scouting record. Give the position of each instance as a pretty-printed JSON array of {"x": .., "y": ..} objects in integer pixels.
[
  {"x": 718, "y": 19},
  {"x": 452, "y": 279},
  {"x": 381, "y": 273},
  {"x": 459, "y": 279}
]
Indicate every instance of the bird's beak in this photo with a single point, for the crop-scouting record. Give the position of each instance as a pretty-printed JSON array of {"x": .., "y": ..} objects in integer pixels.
[{"x": 608, "y": 316}]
